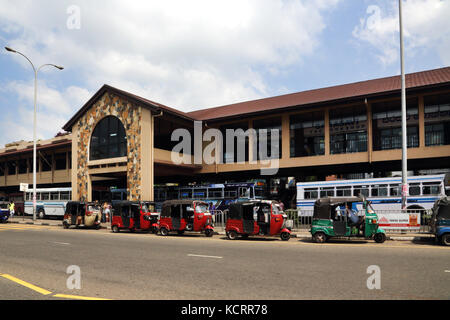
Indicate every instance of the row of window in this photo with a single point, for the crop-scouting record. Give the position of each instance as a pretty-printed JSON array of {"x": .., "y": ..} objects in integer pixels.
[
  {"x": 415, "y": 189},
  {"x": 43, "y": 164}
]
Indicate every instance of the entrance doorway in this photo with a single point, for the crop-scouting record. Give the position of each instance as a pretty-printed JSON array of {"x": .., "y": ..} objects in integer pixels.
[{"x": 107, "y": 189}]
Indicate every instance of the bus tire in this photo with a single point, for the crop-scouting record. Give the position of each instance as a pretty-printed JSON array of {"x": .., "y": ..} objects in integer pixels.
[
  {"x": 41, "y": 214},
  {"x": 380, "y": 237},
  {"x": 445, "y": 239},
  {"x": 320, "y": 237}
]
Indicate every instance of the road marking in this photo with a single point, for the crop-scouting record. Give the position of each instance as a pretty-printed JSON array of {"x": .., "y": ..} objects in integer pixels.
[
  {"x": 62, "y": 243},
  {"x": 448, "y": 271},
  {"x": 26, "y": 284},
  {"x": 67, "y": 296},
  {"x": 202, "y": 256}
]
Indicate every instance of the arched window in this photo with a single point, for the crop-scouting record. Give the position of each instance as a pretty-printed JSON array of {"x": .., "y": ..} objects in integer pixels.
[{"x": 108, "y": 140}]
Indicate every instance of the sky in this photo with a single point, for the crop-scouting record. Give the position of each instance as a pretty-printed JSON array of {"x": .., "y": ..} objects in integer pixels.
[{"x": 198, "y": 54}]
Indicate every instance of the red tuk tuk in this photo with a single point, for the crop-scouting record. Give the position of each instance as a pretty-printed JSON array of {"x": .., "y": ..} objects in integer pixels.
[
  {"x": 185, "y": 215},
  {"x": 257, "y": 218},
  {"x": 134, "y": 215}
]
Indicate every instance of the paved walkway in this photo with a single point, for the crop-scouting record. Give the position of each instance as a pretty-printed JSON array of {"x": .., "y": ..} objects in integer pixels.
[{"x": 303, "y": 233}]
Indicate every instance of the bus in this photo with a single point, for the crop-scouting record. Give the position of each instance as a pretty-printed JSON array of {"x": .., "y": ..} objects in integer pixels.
[
  {"x": 50, "y": 202},
  {"x": 218, "y": 196},
  {"x": 385, "y": 195}
]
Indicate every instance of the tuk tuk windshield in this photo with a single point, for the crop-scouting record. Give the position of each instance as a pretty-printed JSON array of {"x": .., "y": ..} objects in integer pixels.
[
  {"x": 276, "y": 209},
  {"x": 93, "y": 208},
  {"x": 3, "y": 206},
  {"x": 201, "y": 208}
]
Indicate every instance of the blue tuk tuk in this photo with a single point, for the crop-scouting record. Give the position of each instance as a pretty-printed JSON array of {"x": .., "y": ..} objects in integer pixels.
[
  {"x": 4, "y": 212},
  {"x": 440, "y": 222}
]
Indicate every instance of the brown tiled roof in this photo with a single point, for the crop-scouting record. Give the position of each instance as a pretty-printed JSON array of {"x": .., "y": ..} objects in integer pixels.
[{"x": 331, "y": 94}]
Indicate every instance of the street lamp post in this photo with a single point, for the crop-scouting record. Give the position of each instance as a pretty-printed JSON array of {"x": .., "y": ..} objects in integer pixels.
[
  {"x": 34, "y": 121},
  {"x": 404, "y": 125}
]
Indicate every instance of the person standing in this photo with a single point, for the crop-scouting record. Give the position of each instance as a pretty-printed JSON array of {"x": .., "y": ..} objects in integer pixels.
[{"x": 11, "y": 209}]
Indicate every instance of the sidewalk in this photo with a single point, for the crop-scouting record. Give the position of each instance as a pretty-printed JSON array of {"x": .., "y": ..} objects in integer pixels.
[{"x": 300, "y": 234}]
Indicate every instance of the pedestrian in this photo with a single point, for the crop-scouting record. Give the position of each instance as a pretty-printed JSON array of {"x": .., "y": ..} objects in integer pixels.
[
  {"x": 11, "y": 209},
  {"x": 105, "y": 212}
]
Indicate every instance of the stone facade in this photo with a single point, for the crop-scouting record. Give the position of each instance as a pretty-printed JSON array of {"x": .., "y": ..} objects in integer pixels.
[{"x": 130, "y": 115}]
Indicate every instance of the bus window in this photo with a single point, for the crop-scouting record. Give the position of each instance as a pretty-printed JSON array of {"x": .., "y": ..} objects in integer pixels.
[
  {"x": 64, "y": 195},
  {"x": 199, "y": 194},
  {"x": 215, "y": 193},
  {"x": 431, "y": 188},
  {"x": 326, "y": 192},
  {"x": 244, "y": 193},
  {"x": 414, "y": 189},
  {"x": 54, "y": 196},
  {"x": 45, "y": 196},
  {"x": 394, "y": 190},
  {"x": 343, "y": 192},
  {"x": 311, "y": 193},
  {"x": 361, "y": 190},
  {"x": 259, "y": 192},
  {"x": 380, "y": 190},
  {"x": 185, "y": 194}
]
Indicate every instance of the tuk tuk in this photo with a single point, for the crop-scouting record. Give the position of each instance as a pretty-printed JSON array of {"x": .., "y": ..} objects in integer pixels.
[
  {"x": 4, "y": 212},
  {"x": 337, "y": 217},
  {"x": 440, "y": 221},
  {"x": 185, "y": 215},
  {"x": 82, "y": 215},
  {"x": 134, "y": 216},
  {"x": 253, "y": 218}
]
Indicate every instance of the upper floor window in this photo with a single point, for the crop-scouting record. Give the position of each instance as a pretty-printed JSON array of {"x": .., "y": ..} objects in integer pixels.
[{"x": 108, "y": 140}]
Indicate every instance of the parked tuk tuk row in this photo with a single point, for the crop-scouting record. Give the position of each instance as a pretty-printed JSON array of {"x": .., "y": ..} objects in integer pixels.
[{"x": 332, "y": 218}]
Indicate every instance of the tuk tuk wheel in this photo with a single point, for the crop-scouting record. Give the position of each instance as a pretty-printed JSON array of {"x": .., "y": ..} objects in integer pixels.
[
  {"x": 164, "y": 232},
  {"x": 232, "y": 235},
  {"x": 209, "y": 233},
  {"x": 445, "y": 239},
  {"x": 65, "y": 225},
  {"x": 319, "y": 237},
  {"x": 285, "y": 236},
  {"x": 115, "y": 229},
  {"x": 380, "y": 237},
  {"x": 154, "y": 230}
]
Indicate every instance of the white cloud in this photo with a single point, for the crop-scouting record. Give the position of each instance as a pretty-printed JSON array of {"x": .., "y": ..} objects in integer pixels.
[
  {"x": 185, "y": 54},
  {"x": 426, "y": 28}
]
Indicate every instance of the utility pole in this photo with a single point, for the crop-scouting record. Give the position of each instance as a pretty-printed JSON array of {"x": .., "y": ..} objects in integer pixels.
[{"x": 404, "y": 125}]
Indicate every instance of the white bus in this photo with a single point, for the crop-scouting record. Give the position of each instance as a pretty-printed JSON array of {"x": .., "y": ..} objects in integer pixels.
[
  {"x": 49, "y": 202},
  {"x": 385, "y": 195}
]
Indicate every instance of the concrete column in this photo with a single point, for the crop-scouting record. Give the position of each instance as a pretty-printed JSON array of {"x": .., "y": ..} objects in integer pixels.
[
  {"x": 251, "y": 156},
  {"x": 147, "y": 156},
  {"x": 421, "y": 122},
  {"x": 74, "y": 180},
  {"x": 327, "y": 131},
  {"x": 369, "y": 132},
  {"x": 286, "y": 137}
]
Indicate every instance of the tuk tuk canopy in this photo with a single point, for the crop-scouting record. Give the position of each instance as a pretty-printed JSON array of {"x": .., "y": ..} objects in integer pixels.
[
  {"x": 322, "y": 207},
  {"x": 441, "y": 208},
  {"x": 244, "y": 210},
  {"x": 166, "y": 211}
]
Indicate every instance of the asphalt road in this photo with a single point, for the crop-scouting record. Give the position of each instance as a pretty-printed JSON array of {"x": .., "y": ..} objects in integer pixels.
[{"x": 145, "y": 266}]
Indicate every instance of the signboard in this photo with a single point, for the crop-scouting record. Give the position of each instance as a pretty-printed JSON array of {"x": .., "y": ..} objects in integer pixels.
[
  {"x": 399, "y": 221},
  {"x": 24, "y": 187}
]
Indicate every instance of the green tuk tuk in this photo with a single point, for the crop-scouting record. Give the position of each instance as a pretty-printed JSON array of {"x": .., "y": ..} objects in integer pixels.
[{"x": 337, "y": 217}]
